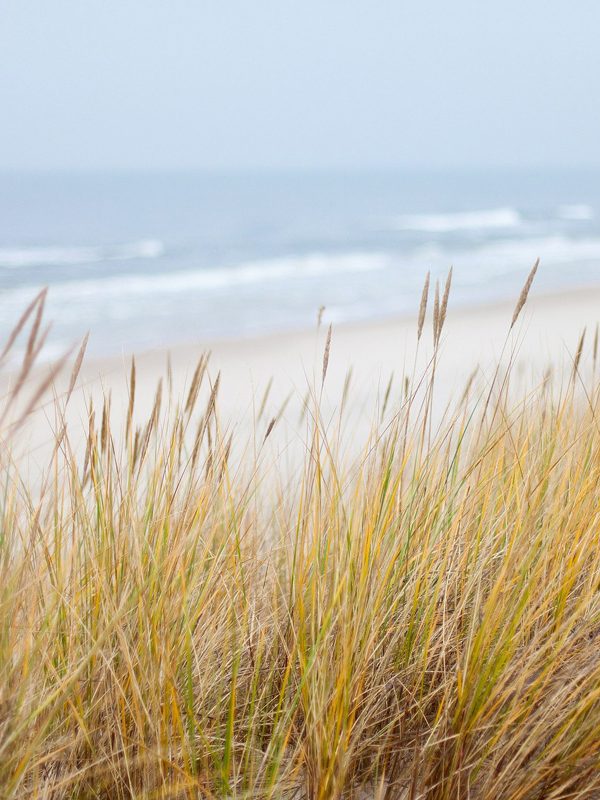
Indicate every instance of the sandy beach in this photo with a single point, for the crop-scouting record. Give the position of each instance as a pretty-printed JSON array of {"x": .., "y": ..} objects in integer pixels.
[{"x": 547, "y": 333}]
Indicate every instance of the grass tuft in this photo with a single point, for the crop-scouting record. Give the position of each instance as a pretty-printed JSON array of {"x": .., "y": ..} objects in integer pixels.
[{"x": 422, "y": 621}]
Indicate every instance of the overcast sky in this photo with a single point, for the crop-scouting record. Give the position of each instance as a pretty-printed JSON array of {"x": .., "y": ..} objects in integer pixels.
[{"x": 298, "y": 83}]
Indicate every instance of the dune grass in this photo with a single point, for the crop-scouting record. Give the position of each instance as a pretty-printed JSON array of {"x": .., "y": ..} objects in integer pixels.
[{"x": 422, "y": 621}]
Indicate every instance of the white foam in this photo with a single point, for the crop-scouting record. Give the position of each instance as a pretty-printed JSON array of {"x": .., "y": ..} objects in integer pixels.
[
  {"x": 551, "y": 250},
  {"x": 578, "y": 211},
  {"x": 182, "y": 281},
  {"x": 461, "y": 221},
  {"x": 19, "y": 257},
  {"x": 508, "y": 256},
  {"x": 308, "y": 278}
]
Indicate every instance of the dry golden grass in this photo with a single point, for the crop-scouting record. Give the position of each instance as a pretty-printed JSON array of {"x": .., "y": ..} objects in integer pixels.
[{"x": 423, "y": 622}]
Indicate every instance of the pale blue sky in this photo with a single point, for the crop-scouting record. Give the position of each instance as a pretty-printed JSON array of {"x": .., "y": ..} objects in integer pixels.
[{"x": 298, "y": 84}]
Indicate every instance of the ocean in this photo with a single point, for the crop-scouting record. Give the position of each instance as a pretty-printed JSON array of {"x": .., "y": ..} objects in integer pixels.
[{"x": 151, "y": 260}]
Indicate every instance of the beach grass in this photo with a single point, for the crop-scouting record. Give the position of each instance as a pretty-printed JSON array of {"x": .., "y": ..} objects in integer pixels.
[{"x": 419, "y": 619}]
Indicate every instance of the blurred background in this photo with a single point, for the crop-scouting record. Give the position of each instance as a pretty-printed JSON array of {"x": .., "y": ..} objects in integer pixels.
[{"x": 194, "y": 171}]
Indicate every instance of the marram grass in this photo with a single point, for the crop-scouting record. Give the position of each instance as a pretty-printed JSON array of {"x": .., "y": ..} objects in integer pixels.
[{"x": 420, "y": 622}]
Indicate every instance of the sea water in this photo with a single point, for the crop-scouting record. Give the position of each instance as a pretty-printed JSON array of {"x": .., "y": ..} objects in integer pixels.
[{"x": 151, "y": 260}]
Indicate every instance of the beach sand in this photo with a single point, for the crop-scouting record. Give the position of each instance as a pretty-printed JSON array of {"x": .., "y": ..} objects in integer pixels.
[{"x": 546, "y": 334}]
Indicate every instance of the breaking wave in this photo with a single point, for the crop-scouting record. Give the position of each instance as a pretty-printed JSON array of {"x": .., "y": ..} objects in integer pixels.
[
  {"x": 247, "y": 273},
  {"x": 460, "y": 221},
  {"x": 20, "y": 257}
]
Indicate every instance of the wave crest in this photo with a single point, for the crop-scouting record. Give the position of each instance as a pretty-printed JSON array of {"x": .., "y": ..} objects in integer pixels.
[
  {"x": 459, "y": 221},
  {"x": 247, "y": 273},
  {"x": 21, "y": 257},
  {"x": 578, "y": 211}
]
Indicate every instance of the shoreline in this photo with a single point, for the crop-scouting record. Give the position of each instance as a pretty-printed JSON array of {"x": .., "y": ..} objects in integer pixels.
[
  {"x": 546, "y": 335},
  {"x": 576, "y": 294},
  {"x": 551, "y": 316}
]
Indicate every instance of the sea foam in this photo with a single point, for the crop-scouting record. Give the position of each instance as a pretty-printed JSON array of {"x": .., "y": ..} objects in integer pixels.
[
  {"x": 222, "y": 278},
  {"x": 20, "y": 257},
  {"x": 460, "y": 221},
  {"x": 578, "y": 211}
]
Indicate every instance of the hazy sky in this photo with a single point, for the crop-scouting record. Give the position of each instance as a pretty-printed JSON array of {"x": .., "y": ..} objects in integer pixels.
[{"x": 298, "y": 83}]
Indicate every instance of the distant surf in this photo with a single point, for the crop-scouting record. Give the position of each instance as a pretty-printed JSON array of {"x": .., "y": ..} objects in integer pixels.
[
  {"x": 312, "y": 265},
  {"x": 579, "y": 211},
  {"x": 46, "y": 256},
  {"x": 306, "y": 273},
  {"x": 459, "y": 221}
]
